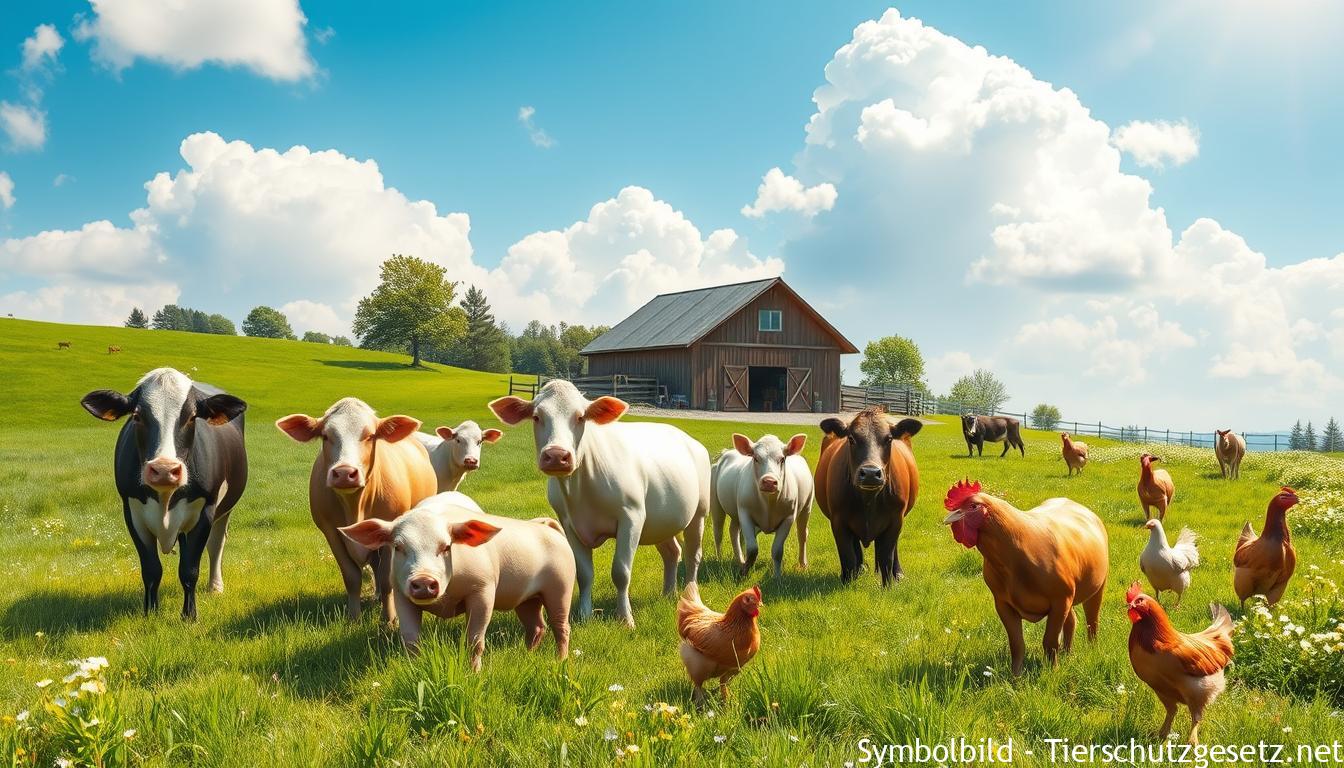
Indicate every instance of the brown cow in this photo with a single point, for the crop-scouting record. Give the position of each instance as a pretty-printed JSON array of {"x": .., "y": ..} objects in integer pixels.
[
  {"x": 866, "y": 482},
  {"x": 62, "y": 345},
  {"x": 113, "y": 350},
  {"x": 365, "y": 469}
]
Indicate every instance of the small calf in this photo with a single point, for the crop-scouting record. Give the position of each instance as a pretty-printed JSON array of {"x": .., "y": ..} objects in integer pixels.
[
  {"x": 455, "y": 451},
  {"x": 62, "y": 345},
  {"x": 449, "y": 557},
  {"x": 113, "y": 350},
  {"x": 766, "y": 486}
]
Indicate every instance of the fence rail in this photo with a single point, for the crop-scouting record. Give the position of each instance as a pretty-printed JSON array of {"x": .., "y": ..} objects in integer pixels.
[{"x": 632, "y": 389}]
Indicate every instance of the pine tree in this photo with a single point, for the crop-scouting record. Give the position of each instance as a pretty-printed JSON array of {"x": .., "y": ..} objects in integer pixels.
[
  {"x": 1309, "y": 438},
  {"x": 137, "y": 319},
  {"x": 172, "y": 318},
  {"x": 485, "y": 347},
  {"x": 1332, "y": 440},
  {"x": 1295, "y": 438}
]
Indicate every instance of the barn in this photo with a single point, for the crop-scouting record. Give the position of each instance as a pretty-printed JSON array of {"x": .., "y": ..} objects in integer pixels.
[{"x": 754, "y": 346}]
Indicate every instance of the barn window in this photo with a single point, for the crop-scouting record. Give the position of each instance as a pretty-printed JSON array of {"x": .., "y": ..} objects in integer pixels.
[{"x": 770, "y": 320}]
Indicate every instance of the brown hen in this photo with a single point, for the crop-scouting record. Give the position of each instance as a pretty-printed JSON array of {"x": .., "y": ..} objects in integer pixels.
[{"x": 717, "y": 645}]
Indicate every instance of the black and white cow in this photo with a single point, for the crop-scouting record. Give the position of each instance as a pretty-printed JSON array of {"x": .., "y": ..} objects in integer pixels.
[{"x": 180, "y": 466}]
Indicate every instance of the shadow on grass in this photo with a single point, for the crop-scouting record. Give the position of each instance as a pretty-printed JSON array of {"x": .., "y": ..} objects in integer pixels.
[
  {"x": 374, "y": 365},
  {"x": 309, "y": 608},
  {"x": 791, "y": 584},
  {"x": 66, "y": 612}
]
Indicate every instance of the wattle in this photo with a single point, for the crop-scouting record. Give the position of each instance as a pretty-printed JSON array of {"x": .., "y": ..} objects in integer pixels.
[{"x": 964, "y": 534}]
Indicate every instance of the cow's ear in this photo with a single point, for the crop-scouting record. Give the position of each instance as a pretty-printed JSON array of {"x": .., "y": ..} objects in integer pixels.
[
  {"x": 491, "y": 436},
  {"x": 795, "y": 445},
  {"x": 473, "y": 533},
  {"x": 834, "y": 427},
  {"x": 394, "y": 428},
  {"x": 742, "y": 444},
  {"x": 605, "y": 409},
  {"x": 371, "y": 534},
  {"x": 106, "y": 404},
  {"x": 220, "y": 409},
  {"x": 906, "y": 428},
  {"x": 299, "y": 426},
  {"x": 511, "y": 409},
  {"x": 446, "y": 433}
]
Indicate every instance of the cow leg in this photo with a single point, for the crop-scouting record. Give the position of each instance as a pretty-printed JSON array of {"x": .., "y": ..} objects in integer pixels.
[
  {"x": 691, "y": 552},
  {"x": 192, "y": 545},
  {"x": 583, "y": 571},
  {"x": 751, "y": 547},
  {"x": 1006, "y": 445},
  {"x": 970, "y": 448},
  {"x": 529, "y": 613},
  {"x": 1017, "y": 645},
  {"x": 409, "y": 616},
  {"x": 670, "y": 551},
  {"x": 845, "y": 546},
  {"x": 351, "y": 572},
  {"x": 219, "y": 532},
  {"x": 627, "y": 539},
  {"x": 888, "y": 562},
  {"x": 980, "y": 448},
  {"x": 151, "y": 568},
  {"x": 716, "y": 516},
  {"x": 1054, "y": 627},
  {"x": 777, "y": 549},
  {"x": 735, "y": 533},
  {"x": 381, "y": 563},
  {"x": 804, "y": 517}
]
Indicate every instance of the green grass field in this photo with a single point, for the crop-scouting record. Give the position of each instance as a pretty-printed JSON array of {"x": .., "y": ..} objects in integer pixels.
[{"x": 273, "y": 674}]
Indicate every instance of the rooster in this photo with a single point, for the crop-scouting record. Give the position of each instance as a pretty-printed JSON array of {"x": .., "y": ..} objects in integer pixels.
[
  {"x": 1075, "y": 453},
  {"x": 1168, "y": 567},
  {"x": 1265, "y": 563},
  {"x": 717, "y": 645},
  {"x": 1039, "y": 564},
  {"x": 1180, "y": 668},
  {"x": 1155, "y": 487}
]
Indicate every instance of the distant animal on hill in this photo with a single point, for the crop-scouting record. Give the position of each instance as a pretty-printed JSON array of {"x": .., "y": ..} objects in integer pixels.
[
  {"x": 455, "y": 451},
  {"x": 1039, "y": 564},
  {"x": 180, "y": 467},
  {"x": 866, "y": 483},
  {"x": 639, "y": 483},
  {"x": 1229, "y": 448},
  {"x": 365, "y": 468},
  {"x": 1168, "y": 567},
  {"x": 62, "y": 345},
  {"x": 1265, "y": 563},
  {"x": 765, "y": 486},
  {"x": 112, "y": 350},
  {"x": 717, "y": 645},
  {"x": 995, "y": 429},
  {"x": 1156, "y": 488},
  {"x": 1074, "y": 451}
]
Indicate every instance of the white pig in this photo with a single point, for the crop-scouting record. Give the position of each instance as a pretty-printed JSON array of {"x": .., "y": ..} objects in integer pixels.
[
  {"x": 766, "y": 486},
  {"x": 455, "y": 451},
  {"x": 449, "y": 557}
]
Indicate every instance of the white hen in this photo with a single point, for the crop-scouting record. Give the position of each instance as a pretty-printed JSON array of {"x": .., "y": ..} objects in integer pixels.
[{"x": 1168, "y": 567}]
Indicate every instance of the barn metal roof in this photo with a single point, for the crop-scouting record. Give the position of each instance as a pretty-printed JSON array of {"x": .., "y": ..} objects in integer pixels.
[{"x": 683, "y": 318}]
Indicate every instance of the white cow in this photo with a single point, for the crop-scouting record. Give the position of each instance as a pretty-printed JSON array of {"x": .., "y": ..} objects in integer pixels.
[
  {"x": 637, "y": 483},
  {"x": 455, "y": 451},
  {"x": 766, "y": 486}
]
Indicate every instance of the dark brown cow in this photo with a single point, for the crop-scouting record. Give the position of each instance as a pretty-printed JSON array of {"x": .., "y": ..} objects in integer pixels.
[
  {"x": 995, "y": 429},
  {"x": 866, "y": 483}
]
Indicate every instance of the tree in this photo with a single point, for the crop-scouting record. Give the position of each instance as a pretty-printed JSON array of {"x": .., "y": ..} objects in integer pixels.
[
  {"x": 1295, "y": 439},
  {"x": 342, "y": 341},
  {"x": 412, "y": 305},
  {"x": 137, "y": 319},
  {"x": 200, "y": 322},
  {"x": 1309, "y": 438},
  {"x": 222, "y": 325},
  {"x": 536, "y": 350},
  {"x": 267, "y": 323},
  {"x": 893, "y": 361},
  {"x": 485, "y": 346},
  {"x": 1332, "y": 440},
  {"x": 172, "y": 318},
  {"x": 316, "y": 337},
  {"x": 980, "y": 391},
  {"x": 1045, "y": 416}
]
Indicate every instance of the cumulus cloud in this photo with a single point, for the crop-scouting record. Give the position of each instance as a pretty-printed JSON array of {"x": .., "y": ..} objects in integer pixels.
[
  {"x": 1155, "y": 144},
  {"x": 305, "y": 315},
  {"x": 1115, "y": 343},
  {"x": 527, "y": 116},
  {"x": 42, "y": 48},
  {"x": 264, "y": 36},
  {"x": 6, "y": 191},
  {"x": 88, "y": 303},
  {"x": 25, "y": 125},
  {"x": 781, "y": 192}
]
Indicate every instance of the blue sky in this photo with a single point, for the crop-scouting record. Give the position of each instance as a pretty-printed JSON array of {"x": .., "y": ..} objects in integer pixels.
[{"x": 687, "y": 107}]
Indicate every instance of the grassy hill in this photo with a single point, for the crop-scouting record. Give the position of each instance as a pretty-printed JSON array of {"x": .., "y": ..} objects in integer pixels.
[{"x": 273, "y": 674}]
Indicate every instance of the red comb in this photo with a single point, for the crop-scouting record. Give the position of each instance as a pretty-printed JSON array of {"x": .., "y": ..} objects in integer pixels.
[
  {"x": 757, "y": 590},
  {"x": 959, "y": 493},
  {"x": 1135, "y": 590},
  {"x": 1286, "y": 489}
]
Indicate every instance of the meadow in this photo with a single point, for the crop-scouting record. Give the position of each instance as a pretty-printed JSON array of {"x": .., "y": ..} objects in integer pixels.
[{"x": 272, "y": 673}]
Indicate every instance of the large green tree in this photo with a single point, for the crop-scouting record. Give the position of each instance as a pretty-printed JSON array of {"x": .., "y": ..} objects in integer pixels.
[
  {"x": 893, "y": 361},
  {"x": 412, "y": 305},
  {"x": 980, "y": 391},
  {"x": 485, "y": 346},
  {"x": 1295, "y": 440},
  {"x": 222, "y": 325},
  {"x": 267, "y": 323},
  {"x": 137, "y": 319},
  {"x": 172, "y": 318}
]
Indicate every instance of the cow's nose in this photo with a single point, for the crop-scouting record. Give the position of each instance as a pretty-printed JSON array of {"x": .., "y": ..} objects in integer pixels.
[
  {"x": 344, "y": 476},
  {"x": 424, "y": 588},
  {"x": 163, "y": 473},
  {"x": 870, "y": 474},
  {"x": 555, "y": 459},
  {"x": 471, "y": 462},
  {"x": 769, "y": 484}
]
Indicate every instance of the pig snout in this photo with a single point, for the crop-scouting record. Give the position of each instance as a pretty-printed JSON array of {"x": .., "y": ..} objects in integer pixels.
[
  {"x": 345, "y": 477},
  {"x": 556, "y": 461},
  {"x": 423, "y": 588},
  {"x": 471, "y": 462},
  {"x": 870, "y": 476},
  {"x": 164, "y": 473},
  {"x": 769, "y": 484}
]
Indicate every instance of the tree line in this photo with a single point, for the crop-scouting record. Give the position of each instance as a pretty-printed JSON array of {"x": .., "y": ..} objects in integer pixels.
[
  {"x": 262, "y": 322},
  {"x": 1330, "y": 440}
]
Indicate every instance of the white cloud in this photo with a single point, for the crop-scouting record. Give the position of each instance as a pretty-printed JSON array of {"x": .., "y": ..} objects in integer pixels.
[
  {"x": 42, "y": 48},
  {"x": 26, "y": 126},
  {"x": 62, "y": 179},
  {"x": 88, "y": 303},
  {"x": 1116, "y": 345},
  {"x": 781, "y": 192},
  {"x": 1155, "y": 144},
  {"x": 265, "y": 36},
  {"x": 539, "y": 137},
  {"x": 943, "y": 370},
  {"x": 307, "y": 315},
  {"x": 6, "y": 191}
]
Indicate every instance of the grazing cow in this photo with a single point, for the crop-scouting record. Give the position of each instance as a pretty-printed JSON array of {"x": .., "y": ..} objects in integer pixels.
[
  {"x": 180, "y": 467},
  {"x": 449, "y": 557},
  {"x": 456, "y": 451},
  {"x": 766, "y": 486},
  {"x": 366, "y": 468},
  {"x": 995, "y": 429},
  {"x": 1230, "y": 448},
  {"x": 639, "y": 483},
  {"x": 113, "y": 350},
  {"x": 866, "y": 483},
  {"x": 62, "y": 345}
]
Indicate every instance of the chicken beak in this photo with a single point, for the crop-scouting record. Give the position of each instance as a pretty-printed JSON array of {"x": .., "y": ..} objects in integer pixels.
[{"x": 954, "y": 516}]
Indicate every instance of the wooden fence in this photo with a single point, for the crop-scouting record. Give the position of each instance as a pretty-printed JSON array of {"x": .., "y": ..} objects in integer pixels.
[{"x": 632, "y": 389}]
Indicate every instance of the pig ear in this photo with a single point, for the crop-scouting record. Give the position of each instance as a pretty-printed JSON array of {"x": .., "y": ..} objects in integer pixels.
[
  {"x": 491, "y": 435},
  {"x": 511, "y": 409},
  {"x": 446, "y": 433},
  {"x": 394, "y": 428},
  {"x": 742, "y": 444},
  {"x": 106, "y": 404},
  {"x": 299, "y": 426},
  {"x": 371, "y": 534},
  {"x": 473, "y": 533},
  {"x": 605, "y": 409},
  {"x": 795, "y": 445}
]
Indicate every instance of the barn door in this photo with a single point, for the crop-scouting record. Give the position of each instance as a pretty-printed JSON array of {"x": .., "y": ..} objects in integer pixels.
[
  {"x": 799, "y": 390},
  {"x": 734, "y": 387}
]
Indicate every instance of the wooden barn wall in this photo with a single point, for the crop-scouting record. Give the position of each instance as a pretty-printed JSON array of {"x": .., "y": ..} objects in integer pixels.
[
  {"x": 671, "y": 367},
  {"x": 709, "y": 360},
  {"x": 799, "y": 329}
]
